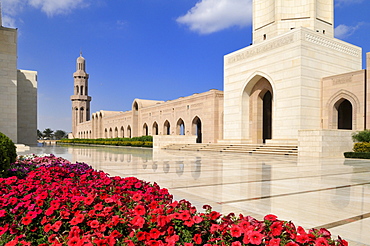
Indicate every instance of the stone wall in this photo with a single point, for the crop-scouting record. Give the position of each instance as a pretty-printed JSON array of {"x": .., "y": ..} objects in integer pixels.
[
  {"x": 27, "y": 107},
  {"x": 324, "y": 143},
  {"x": 8, "y": 82}
]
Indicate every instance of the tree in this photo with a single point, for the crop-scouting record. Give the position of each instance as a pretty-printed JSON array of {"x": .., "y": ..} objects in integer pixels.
[
  {"x": 48, "y": 133},
  {"x": 39, "y": 134},
  {"x": 59, "y": 134}
]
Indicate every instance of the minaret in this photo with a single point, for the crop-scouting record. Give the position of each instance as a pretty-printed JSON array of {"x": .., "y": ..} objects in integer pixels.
[
  {"x": 275, "y": 17},
  {"x": 80, "y": 99}
]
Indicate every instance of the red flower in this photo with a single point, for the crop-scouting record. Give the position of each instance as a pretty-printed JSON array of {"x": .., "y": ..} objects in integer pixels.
[
  {"x": 154, "y": 233},
  {"x": 141, "y": 236},
  {"x": 255, "y": 237},
  {"x": 139, "y": 210},
  {"x": 88, "y": 200},
  {"x": 197, "y": 219},
  {"x": 235, "y": 231},
  {"x": 270, "y": 217},
  {"x": 136, "y": 197},
  {"x": 292, "y": 244},
  {"x": 56, "y": 226},
  {"x": 321, "y": 242},
  {"x": 26, "y": 220},
  {"x": 74, "y": 241},
  {"x": 47, "y": 227},
  {"x": 274, "y": 242},
  {"x": 197, "y": 238},
  {"x": 94, "y": 224},
  {"x": 138, "y": 221},
  {"x": 302, "y": 238},
  {"x": 2, "y": 213},
  {"x": 12, "y": 243},
  {"x": 276, "y": 228},
  {"x": 237, "y": 243}
]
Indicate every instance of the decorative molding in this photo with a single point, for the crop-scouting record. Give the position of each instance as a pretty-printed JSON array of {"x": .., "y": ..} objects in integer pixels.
[
  {"x": 342, "y": 80},
  {"x": 261, "y": 48},
  {"x": 332, "y": 45}
]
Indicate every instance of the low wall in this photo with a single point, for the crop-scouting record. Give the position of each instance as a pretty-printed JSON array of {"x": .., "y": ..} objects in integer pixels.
[
  {"x": 324, "y": 143},
  {"x": 159, "y": 141}
]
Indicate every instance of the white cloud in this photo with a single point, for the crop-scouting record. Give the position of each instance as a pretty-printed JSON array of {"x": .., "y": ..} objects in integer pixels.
[
  {"x": 10, "y": 8},
  {"x": 209, "y": 16},
  {"x": 52, "y": 7},
  {"x": 344, "y": 31}
]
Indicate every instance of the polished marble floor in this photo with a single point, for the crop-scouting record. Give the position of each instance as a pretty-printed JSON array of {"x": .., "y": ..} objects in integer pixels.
[{"x": 330, "y": 193}]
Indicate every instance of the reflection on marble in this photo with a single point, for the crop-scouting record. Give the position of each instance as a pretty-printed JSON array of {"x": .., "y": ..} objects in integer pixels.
[{"x": 331, "y": 193}]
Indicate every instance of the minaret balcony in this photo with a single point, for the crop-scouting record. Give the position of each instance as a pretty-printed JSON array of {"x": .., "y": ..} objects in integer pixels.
[{"x": 80, "y": 98}]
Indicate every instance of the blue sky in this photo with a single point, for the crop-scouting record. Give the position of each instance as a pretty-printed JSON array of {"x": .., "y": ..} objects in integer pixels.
[{"x": 149, "y": 49}]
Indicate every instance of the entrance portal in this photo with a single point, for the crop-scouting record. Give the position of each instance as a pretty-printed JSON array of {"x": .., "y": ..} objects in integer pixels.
[
  {"x": 345, "y": 115},
  {"x": 197, "y": 129}
]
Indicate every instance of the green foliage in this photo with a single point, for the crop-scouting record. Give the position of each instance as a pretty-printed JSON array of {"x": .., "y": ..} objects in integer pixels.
[
  {"x": 144, "y": 141},
  {"x": 8, "y": 154},
  {"x": 361, "y": 147},
  {"x": 362, "y": 136},
  {"x": 360, "y": 155}
]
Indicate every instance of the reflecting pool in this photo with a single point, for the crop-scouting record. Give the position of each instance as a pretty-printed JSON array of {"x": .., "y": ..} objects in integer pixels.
[{"x": 330, "y": 193}]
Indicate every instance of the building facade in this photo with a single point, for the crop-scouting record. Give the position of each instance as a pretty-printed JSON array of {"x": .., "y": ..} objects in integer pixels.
[
  {"x": 18, "y": 93},
  {"x": 294, "y": 85},
  {"x": 197, "y": 115}
]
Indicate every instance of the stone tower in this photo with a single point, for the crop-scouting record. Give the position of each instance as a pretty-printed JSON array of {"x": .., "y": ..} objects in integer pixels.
[
  {"x": 80, "y": 99},
  {"x": 272, "y": 18},
  {"x": 272, "y": 88}
]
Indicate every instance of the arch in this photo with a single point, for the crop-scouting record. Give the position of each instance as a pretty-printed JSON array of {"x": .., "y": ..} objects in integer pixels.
[
  {"x": 122, "y": 132},
  {"x": 82, "y": 114},
  {"x": 344, "y": 109},
  {"x": 106, "y": 133},
  {"x": 166, "y": 128},
  {"x": 129, "y": 131},
  {"x": 343, "y": 112},
  {"x": 135, "y": 106},
  {"x": 257, "y": 109},
  {"x": 116, "y": 132},
  {"x": 180, "y": 127},
  {"x": 110, "y": 133},
  {"x": 155, "y": 128},
  {"x": 77, "y": 90},
  {"x": 145, "y": 130},
  {"x": 82, "y": 90},
  {"x": 197, "y": 128}
]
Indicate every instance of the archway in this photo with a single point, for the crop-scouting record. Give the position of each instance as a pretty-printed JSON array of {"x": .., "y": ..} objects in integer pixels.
[
  {"x": 129, "y": 131},
  {"x": 257, "y": 110},
  {"x": 345, "y": 110},
  {"x": 155, "y": 128},
  {"x": 145, "y": 129},
  {"x": 197, "y": 129},
  {"x": 166, "y": 128},
  {"x": 180, "y": 127}
]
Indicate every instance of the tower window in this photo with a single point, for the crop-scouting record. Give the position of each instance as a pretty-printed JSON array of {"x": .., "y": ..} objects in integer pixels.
[{"x": 264, "y": 36}]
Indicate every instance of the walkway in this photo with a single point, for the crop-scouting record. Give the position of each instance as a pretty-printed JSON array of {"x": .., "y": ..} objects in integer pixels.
[{"x": 330, "y": 193}]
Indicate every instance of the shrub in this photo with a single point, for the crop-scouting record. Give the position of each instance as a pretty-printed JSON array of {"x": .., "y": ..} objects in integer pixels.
[
  {"x": 361, "y": 147},
  {"x": 8, "y": 154},
  {"x": 359, "y": 155},
  {"x": 143, "y": 141},
  {"x": 362, "y": 136}
]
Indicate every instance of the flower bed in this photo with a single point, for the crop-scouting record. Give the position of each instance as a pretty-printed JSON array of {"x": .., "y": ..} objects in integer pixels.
[{"x": 59, "y": 203}]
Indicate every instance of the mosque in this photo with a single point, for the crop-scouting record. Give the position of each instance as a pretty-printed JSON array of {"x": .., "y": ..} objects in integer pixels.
[
  {"x": 18, "y": 93},
  {"x": 294, "y": 85}
]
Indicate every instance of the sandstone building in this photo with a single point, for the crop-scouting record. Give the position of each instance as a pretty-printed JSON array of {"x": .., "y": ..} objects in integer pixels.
[
  {"x": 295, "y": 84},
  {"x": 18, "y": 93},
  {"x": 197, "y": 115}
]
